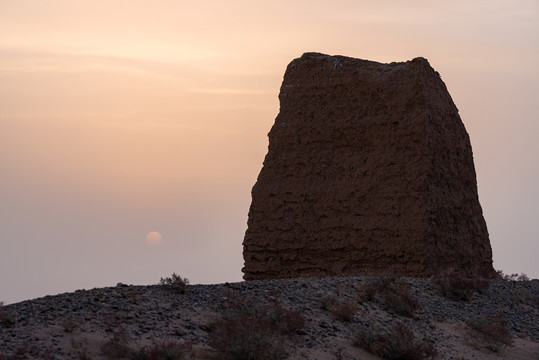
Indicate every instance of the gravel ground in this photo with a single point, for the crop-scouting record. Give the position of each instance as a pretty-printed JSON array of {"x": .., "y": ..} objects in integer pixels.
[{"x": 76, "y": 325}]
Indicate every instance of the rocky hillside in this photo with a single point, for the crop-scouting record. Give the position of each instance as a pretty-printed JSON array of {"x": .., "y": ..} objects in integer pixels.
[{"x": 309, "y": 318}]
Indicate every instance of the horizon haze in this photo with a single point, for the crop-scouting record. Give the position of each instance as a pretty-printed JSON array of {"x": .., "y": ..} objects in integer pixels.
[{"x": 132, "y": 132}]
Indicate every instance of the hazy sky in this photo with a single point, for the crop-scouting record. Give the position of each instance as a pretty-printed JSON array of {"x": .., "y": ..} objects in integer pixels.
[{"x": 118, "y": 118}]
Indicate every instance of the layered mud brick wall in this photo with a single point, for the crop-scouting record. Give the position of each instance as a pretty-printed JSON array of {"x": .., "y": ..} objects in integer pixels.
[{"x": 369, "y": 170}]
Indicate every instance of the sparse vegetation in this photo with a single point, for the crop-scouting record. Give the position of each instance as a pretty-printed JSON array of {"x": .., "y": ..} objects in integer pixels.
[
  {"x": 492, "y": 331},
  {"x": 394, "y": 294},
  {"x": 399, "y": 343},
  {"x": 175, "y": 283},
  {"x": 117, "y": 346},
  {"x": 522, "y": 295},
  {"x": 163, "y": 351},
  {"x": 370, "y": 293},
  {"x": 80, "y": 345},
  {"x": 344, "y": 311},
  {"x": 69, "y": 324},
  {"x": 248, "y": 339},
  {"x": 17, "y": 354},
  {"x": 24, "y": 351},
  {"x": 458, "y": 286},
  {"x": 6, "y": 319},
  {"x": 512, "y": 277},
  {"x": 327, "y": 303},
  {"x": 250, "y": 330},
  {"x": 400, "y": 302}
]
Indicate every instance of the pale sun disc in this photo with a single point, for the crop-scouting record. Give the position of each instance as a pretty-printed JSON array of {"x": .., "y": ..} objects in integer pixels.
[{"x": 154, "y": 238}]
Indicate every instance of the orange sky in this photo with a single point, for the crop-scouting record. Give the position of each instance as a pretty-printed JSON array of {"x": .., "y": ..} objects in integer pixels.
[{"x": 118, "y": 118}]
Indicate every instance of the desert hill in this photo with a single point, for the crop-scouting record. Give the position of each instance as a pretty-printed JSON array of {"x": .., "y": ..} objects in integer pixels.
[{"x": 307, "y": 318}]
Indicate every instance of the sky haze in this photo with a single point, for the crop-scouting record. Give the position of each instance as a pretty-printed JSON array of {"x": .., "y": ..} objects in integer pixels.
[{"x": 121, "y": 118}]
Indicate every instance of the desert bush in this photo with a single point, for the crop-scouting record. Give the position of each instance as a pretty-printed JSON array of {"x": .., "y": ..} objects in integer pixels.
[
  {"x": 523, "y": 277},
  {"x": 18, "y": 354},
  {"x": 512, "y": 277},
  {"x": 163, "y": 351},
  {"x": 27, "y": 351},
  {"x": 286, "y": 321},
  {"x": 344, "y": 311},
  {"x": 394, "y": 294},
  {"x": 251, "y": 329},
  {"x": 492, "y": 331},
  {"x": 176, "y": 283},
  {"x": 69, "y": 324},
  {"x": 522, "y": 295},
  {"x": 370, "y": 293},
  {"x": 399, "y": 343},
  {"x": 327, "y": 303},
  {"x": 458, "y": 286},
  {"x": 248, "y": 339},
  {"x": 6, "y": 319},
  {"x": 80, "y": 345},
  {"x": 400, "y": 302},
  {"x": 83, "y": 355},
  {"x": 117, "y": 346}
]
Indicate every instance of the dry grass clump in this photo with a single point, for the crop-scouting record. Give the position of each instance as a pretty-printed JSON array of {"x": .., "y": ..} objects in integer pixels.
[
  {"x": 394, "y": 295},
  {"x": 327, "y": 303},
  {"x": 175, "y": 283},
  {"x": 116, "y": 347},
  {"x": 399, "y": 343},
  {"x": 512, "y": 277},
  {"x": 163, "y": 351},
  {"x": 69, "y": 324},
  {"x": 6, "y": 319},
  {"x": 492, "y": 330},
  {"x": 251, "y": 329},
  {"x": 458, "y": 286},
  {"x": 27, "y": 351},
  {"x": 344, "y": 311}
]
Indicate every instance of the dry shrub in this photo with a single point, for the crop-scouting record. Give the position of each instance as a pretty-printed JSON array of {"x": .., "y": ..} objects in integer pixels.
[
  {"x": 370, "y": 293},
  {"x": 327, "y": 303},
  {"x": 27, "y": 351},
  {"x": 163, "y": 351},
  {"x": 458, "y": 286},
  {"x": 69, "y": 324},
  {"x": 534, "y": 301},
  {"x": 83, "y": 355},
  {"x": 250, "y": 329},
  {"x": 400, "y": 302},
  {"x": 117, "y": 346},
  {"x": 286, "y": 321},
  {"x": 345, "y": 311},
  {"x": 492, "y": 331},
  {"x": 175, "y": 283},
  {"x": 394, "y": 294},
  {"x": 399, "y": 343},
  {"x": 248, "y": 339},
  {"x": 19, "y": 353},
  {"x": 523, "y": 296},
  {"x": 6, "y": 319},
  {"x": 512, "y": 277}
]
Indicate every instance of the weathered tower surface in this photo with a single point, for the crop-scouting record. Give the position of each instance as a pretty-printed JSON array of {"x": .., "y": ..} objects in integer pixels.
[{"x": 369, "y": 170}]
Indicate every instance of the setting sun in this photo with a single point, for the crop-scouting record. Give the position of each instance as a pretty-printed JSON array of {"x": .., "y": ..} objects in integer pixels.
[
  {"x": 122, "y": 117},
  {"x": 154, "y": 238}
]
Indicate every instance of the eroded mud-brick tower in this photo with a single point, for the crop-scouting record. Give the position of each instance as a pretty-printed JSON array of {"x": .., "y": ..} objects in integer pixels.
[{"x": 369, "y": 170}]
